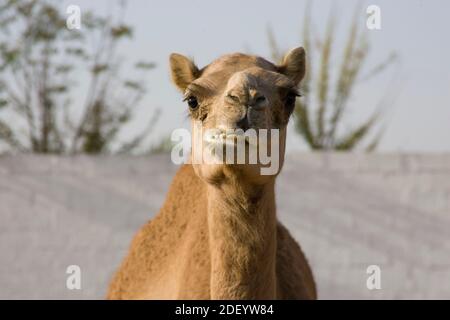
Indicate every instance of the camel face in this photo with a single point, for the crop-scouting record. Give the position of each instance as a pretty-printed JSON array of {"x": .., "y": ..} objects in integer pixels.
[{"x": 239, "y": 107}]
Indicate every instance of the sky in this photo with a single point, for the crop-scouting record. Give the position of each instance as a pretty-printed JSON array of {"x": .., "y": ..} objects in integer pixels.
[{"x": 418, "y": 84}]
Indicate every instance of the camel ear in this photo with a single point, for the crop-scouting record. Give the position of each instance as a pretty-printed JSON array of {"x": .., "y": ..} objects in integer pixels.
[
  {"x": 183, "y": 71},
  {"x": 293, "y": 65}
]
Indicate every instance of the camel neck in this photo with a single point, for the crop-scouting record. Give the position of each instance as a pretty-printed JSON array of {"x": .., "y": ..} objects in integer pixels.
[{"x": 242, "y": 235}]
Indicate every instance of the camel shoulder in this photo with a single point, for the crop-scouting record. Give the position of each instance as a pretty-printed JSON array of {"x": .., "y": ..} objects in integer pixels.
[
  {"x": 158, "y": 240},
  {"x": 294, "y": 272},
  {"x": 184, "y": 201}
]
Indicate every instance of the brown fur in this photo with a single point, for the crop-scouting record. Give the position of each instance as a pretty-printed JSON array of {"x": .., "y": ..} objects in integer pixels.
[{"x": 217, "y": 235}]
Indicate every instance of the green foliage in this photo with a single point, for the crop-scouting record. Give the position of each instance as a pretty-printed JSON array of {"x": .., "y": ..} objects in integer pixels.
[
  {"x": 121, "y": 31},
  {"x": 145, "y": 65},
  {"x": 38, "y": 55},
  {"x": 320, "y": 113}
]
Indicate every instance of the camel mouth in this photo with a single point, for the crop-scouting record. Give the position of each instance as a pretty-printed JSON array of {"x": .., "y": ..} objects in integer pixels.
[{"x": 227, "y": 137}]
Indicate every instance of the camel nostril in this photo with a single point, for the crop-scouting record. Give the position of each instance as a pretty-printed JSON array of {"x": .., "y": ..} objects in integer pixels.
[{"x": 260, "y": 99}]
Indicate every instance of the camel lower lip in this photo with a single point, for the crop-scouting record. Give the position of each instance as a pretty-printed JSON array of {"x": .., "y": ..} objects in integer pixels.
[
  {"x": 227, "y": 136},
  {"x": 230, "y": 139}
]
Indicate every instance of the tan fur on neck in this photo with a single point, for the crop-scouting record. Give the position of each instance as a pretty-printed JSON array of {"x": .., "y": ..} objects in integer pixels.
[
  {"x": 242, "y": 231},
  {"x": 170, "y": 257}
]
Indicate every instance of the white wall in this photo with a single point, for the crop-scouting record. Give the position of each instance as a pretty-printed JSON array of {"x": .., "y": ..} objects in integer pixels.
[{"x": 348, "y": 211}]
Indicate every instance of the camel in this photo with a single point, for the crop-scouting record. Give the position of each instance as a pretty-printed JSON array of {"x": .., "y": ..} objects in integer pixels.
[{"x": 217, "y": 235}]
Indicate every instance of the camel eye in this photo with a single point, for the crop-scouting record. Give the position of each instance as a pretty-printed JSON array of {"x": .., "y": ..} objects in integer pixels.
[
  {"x": 192, "y": 103},
  {"x": 290, "y": 99}
]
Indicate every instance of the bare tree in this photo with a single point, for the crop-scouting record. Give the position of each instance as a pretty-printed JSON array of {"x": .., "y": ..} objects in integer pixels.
[
  {"x": 320, "y": 113},
  {"x": 40, "y": 61}
]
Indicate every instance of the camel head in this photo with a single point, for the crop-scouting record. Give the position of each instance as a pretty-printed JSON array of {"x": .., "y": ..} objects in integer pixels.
[{"x": 229, "y": 102}]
